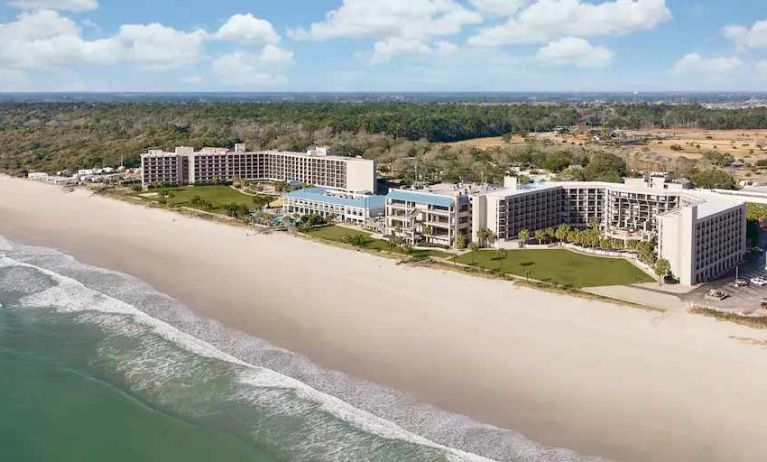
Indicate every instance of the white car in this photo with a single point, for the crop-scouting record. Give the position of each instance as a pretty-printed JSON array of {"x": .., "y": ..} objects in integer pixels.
[{"x": 759, "y": 281}]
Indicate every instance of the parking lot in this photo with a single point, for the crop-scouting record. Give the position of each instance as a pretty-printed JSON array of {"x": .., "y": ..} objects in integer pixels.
[{"x": 743, "y": 300}]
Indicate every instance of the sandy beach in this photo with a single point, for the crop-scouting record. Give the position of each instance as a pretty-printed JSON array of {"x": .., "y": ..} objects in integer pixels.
[{"x": 598, "y": 378}]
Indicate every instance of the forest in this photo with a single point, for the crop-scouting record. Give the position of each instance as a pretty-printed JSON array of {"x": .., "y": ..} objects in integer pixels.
[{"x": 58, "y": 136}]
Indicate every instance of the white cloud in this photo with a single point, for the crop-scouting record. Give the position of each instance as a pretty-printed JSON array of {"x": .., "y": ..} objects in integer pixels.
[
  {"x": 38, "y": 25},
  {"x": 385, "y": 50},
  {"x": 748, "y": 37},
  {"x": 573, "y": 51},
  {"x": 395, "y": 18},
  {"x": 248, "y": 70},
  {"x": 276, "y": 55},
  {"x": 498, "y": 7},
  {"x": 546, "y": 20},
  {"x": 400, "y": 27},
  {"x": 443, "y": 47},
  {"x": 66, "y": 5},
  {"x": 693, "y": 63},
  {"x": 44, "y": 39},
  {"x": 761, "y": 66},
  {"x": 155, "y": 45},
  {"x": 246, "y": 28}
]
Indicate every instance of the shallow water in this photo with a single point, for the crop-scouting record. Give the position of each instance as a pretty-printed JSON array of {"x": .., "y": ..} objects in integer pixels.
[{"x": 97, "y": 365}]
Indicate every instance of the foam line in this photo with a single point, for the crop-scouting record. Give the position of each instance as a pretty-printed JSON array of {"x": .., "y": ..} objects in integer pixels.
[{"x": 72, "y": 296}]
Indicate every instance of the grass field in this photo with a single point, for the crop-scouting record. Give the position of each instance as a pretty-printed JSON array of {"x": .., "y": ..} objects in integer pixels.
[
  {"x": 337, "y": 233},
  {"x": 219, "y": 196},
  {"x": 558, "y": 266}
]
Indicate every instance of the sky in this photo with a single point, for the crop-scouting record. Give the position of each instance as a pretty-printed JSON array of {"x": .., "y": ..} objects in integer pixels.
[{"x": 383, "y": 45}]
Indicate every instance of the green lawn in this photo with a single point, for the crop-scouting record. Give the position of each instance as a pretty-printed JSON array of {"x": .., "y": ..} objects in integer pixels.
[
  {"x": 337, "y": 233},
  {"x": 558, "y": 266},
  {"x": 219, "y": 196}
]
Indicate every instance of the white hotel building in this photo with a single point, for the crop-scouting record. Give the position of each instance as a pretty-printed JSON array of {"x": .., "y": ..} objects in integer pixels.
[
  {"x": 209, "y": 165},
  {"x": 702, "y": 234}
]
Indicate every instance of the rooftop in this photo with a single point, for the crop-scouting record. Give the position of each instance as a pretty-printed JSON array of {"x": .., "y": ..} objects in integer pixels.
[
  {"x": 422, "y": 197},
  {"x": 708, "y": 202},
  {"x": 187, "y": 151},
  {"x": 339, "y": 198}
]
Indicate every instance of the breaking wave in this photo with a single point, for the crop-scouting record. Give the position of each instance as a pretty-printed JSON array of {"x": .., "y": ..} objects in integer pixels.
[{"x": 165, "y": 354}]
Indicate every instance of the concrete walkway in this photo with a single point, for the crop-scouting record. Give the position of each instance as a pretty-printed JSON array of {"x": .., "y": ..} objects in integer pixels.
[{"x": 641, "y": 296}]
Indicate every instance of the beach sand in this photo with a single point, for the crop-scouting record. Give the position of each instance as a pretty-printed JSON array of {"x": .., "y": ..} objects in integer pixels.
[{"x": 595, "y": 377}]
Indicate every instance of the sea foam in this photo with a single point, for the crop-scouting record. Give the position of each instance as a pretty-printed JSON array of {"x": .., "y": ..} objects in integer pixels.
[
  {"x": 71, "y": 296},
  {"x": 367, "y": 406}
]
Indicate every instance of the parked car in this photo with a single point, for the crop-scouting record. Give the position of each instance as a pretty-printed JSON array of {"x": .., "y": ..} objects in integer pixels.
[
  {"x": 740, "y": 283},
  {"x": 717, "y": 294},
  {"x": 759, "y": 281}
]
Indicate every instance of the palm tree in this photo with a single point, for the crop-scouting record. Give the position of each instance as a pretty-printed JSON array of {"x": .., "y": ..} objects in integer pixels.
[
  {"x": 485, "y": 236},
  {"x": 524, "y": 235},
  {"x": 562, "y": 233},
  {"x": 540, "y": 236},
  {"x": 550, "y": 234},
  {"x": 662, "y": 267}
]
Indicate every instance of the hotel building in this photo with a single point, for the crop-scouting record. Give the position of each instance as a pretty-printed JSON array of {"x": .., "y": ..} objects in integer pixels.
[
  {"x": 702, "y": 234},
  {"x": 436, "y": 215},
  {"x": 210, "y": 165},
  {"x": 347, "y": 207}
]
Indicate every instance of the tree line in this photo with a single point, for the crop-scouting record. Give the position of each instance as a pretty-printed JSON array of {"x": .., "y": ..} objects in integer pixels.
[{"x": 58, "y": 136}]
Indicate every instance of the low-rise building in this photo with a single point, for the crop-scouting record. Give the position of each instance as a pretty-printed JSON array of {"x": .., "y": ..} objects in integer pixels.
[
  {"x": 346, "y": 207},
  {"x": 52, "y": 179},
  {"x": 436, "y": 215}
]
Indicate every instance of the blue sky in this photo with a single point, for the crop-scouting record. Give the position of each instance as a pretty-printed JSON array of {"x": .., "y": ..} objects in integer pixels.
[{"x": 377, "y": 45}]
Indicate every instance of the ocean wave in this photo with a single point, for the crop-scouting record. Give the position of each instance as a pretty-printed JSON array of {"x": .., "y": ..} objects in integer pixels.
[
  {"x": 71, "y": 296},
  {"x": 266, "y": 375}
]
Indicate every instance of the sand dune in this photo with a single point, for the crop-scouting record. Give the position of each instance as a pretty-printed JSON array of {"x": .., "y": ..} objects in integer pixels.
[{"x": 598, "y": 378}]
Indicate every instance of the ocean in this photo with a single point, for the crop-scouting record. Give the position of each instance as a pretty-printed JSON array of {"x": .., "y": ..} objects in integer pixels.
[{"x": 97, "y": 365}]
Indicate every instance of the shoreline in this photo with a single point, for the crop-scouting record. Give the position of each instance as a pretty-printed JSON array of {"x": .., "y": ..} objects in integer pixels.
[{"x": 564, "y": 371}]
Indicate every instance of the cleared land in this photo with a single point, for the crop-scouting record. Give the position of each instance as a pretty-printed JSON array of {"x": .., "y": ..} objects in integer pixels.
[
  {"x": 558, "y": 266},
  {"x": 338, "y": 234},
  {"x": 661, "y": 149},
  {"x": 695, "y": 142},
  {"x": 218, "y": 196},
  {"x": 489, "y": 142}
]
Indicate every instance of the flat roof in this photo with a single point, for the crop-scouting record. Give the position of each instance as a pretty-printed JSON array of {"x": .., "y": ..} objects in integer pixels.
[
  {"x": 208, "y": 151},
  {"x": 339, "y": 198},
  {"x": 523, "y": 189},
  {"x": 422, "y": 197}
]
